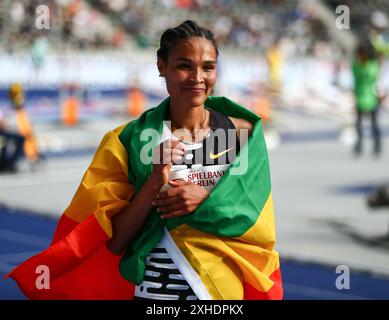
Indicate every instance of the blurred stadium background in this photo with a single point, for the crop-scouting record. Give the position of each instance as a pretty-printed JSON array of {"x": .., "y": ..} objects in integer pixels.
[{"x": 95, "y": 68}]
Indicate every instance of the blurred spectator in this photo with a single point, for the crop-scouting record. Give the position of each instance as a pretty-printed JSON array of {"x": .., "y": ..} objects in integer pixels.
[
  {"x": 275, "y": 59},
  {"x": 24, "y": 127},
  {"x": 11, "y": 146},
  {"x": 17, "y": 12},
  {"x": 381, "y": 43},
  {"x": 39, "y": 49},
  {"x": 379, "y": 197},
  {"x": 365, "y": 72}
]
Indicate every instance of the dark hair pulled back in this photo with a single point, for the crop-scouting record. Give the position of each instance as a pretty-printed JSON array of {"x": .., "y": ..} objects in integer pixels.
[{"x": 184, "y": 31}]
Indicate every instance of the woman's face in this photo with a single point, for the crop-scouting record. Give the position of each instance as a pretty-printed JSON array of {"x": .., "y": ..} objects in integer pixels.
[{"x": 190, "y": 71}]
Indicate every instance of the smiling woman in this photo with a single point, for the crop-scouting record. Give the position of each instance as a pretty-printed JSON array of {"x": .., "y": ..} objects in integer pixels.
[
  {"x": 190, "y": 73},
  {"x": 132, "y": 232}
]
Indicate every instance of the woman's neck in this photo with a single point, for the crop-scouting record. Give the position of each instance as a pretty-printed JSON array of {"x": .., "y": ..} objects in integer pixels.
[
  {"x": 193, "y": 123},
  {"x": 189, "y": 119}
]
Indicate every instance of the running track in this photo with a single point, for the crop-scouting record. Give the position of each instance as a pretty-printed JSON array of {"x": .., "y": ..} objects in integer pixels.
[{"x": 23, "y": 234}]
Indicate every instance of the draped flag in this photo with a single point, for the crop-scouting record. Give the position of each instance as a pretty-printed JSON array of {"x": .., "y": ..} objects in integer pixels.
[{"x": 228, "y": 241}]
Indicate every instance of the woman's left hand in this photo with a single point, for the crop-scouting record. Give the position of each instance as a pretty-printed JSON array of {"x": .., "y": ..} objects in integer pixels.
[{"x": 182, "y": 199}]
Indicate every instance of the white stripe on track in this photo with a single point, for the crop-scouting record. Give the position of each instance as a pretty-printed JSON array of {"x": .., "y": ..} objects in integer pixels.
[
  {"x": 17, "y": 257},
  {"x": 18, "y": 237}
]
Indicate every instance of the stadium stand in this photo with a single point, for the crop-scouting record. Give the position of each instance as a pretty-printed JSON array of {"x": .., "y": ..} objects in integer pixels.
[{"x": 86, "y": 24}]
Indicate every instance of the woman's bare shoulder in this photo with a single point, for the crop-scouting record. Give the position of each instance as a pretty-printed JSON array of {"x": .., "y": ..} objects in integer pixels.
[{"x": 240, "y": 123}]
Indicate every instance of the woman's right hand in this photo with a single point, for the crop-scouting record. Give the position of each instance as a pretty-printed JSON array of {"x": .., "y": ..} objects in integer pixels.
[
  {"x": 164, "y": 155},
  {"x": 128, "y": 223}
]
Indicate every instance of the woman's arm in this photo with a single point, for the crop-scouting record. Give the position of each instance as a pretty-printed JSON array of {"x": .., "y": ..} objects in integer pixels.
[{"x": 127, "y": 223}]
